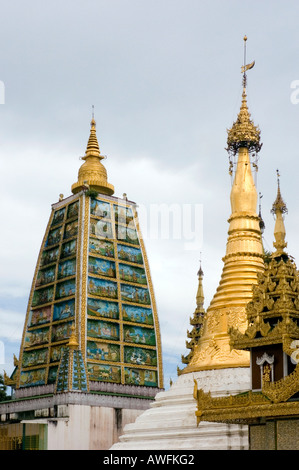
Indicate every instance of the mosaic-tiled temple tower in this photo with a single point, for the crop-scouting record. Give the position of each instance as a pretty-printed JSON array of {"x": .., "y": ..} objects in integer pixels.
[{"x": 91, "y": 324}]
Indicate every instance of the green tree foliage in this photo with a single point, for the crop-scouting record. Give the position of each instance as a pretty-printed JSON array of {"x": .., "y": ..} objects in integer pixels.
[
  {"x": 92, "y": 193},
  {"x": 267, "y": 256},
  {"x": 3, "y": 388}
]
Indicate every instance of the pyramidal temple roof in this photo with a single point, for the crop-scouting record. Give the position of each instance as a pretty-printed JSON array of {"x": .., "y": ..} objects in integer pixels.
[{"x": 91, "y": 321}]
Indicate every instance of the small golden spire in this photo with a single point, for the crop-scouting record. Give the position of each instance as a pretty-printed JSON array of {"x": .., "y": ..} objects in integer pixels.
[
  {"x": 196, "y": 321},
  {"x": 73, "y": 343},
  {"x": 278, "y": 209},
  {"x": 92, "y": 174},
  {"x": 200, "y": 294},
  {"x": 92, "y": 144}
]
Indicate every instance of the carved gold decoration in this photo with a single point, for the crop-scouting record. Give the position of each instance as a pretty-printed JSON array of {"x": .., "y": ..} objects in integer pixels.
[
  {"x": 283, "y": 389},
  {"x": 246, "y": 408},
  {"x": 273, "y": 312},
  {"x": 275, "y": 297},
  {"x": 249, "y": 406},
  {"x": 8, "y": 381},
  {"x": 244, "y": 133}
]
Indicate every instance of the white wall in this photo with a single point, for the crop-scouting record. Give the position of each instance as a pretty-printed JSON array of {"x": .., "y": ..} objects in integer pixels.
[{"x": 88, "y": 428}]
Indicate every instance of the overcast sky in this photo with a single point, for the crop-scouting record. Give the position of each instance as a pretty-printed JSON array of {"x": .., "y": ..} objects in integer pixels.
[{"x": 164, "y": 78}]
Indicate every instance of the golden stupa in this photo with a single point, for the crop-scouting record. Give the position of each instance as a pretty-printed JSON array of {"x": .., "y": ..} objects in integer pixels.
[{"x": 244, "y": 257}]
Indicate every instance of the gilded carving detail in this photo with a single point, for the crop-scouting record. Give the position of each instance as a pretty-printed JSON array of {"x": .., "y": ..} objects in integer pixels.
[
  {"x": 246, "y": 407},
  {"x": 237, "y": 316},
  {"x": 276, "y": 295},
  {"x": 283, "y": 389},
  {"x": 213, "y": 320},
  {"x": 215, "y": 353}
]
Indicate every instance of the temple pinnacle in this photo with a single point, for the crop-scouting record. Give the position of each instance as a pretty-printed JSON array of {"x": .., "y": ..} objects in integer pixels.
[
  {"x": 278, "y": 209},
  {"x": 196, "y": 321},
  {"x": 92, "y": 174},
  {"x": 243, "y": 132},
  {"x": 92, "y": 144}
]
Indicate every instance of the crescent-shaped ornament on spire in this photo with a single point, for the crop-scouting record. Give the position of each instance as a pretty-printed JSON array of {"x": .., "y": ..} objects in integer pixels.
[{"x": 244, "y": 68}]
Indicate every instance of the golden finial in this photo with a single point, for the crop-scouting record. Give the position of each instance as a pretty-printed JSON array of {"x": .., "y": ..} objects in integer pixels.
[
  {"x": 73, "y": 343},
  {"x": 243, "y": 132},
  {"x": 93, "y": 148},
  {"x": 92, "y": 173},
  {"x": 245, "y": 67}
]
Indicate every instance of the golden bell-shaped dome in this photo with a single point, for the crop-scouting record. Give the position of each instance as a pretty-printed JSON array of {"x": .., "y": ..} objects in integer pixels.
[{"x": 92, "y": 174}]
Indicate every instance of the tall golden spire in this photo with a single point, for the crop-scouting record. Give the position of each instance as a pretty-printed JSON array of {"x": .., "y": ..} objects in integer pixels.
[
  {"x": 244, "y": 254},
  {"x": 92, "y": 174}
]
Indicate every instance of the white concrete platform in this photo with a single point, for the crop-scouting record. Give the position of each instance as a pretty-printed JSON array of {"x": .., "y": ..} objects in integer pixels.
[{"x": 170, "y": 422}]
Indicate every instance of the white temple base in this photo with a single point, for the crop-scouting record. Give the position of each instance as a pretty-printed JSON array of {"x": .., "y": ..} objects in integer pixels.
[{"x": 170, "y": 422}]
